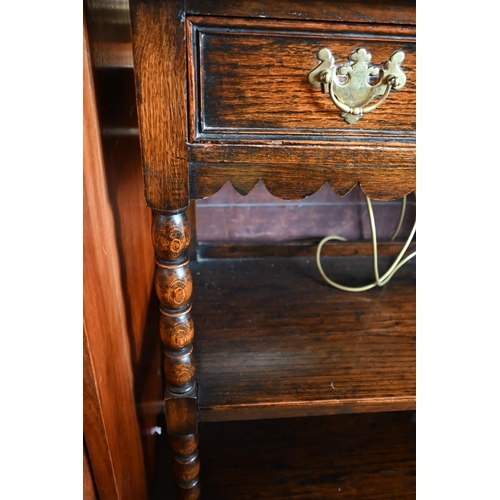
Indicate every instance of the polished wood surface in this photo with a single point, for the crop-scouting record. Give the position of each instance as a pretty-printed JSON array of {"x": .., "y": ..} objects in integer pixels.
[
  {"x": 132, "y": 225},
  {"x": 274, "y": 340},
  {"x": 298, "y": 249},
  {"x": 174, "y": 285},
  {"x": 368, "y": 11},
  {"x": 251, "y": 79},
  {"x": 254, "y": 115},
  {"x": 89, "y": 492},
  {"x": 110, "y": 425},
  {"x": 347, "y": 457},
  {"x": 366, "y": 456},
  {"x": 353, "y": 457},
  {"x": 160, "y": 75},
  {"x": 108, "y": 24},
  {"x": 291, "y": 177},
  {"x": 382, "y": 163}
]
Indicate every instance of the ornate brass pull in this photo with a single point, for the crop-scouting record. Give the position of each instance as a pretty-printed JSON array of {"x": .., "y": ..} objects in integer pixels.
[{"x": 349, "y": 85}]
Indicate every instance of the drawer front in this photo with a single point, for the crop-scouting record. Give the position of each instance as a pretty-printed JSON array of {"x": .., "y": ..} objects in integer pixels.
[
  {"x": 249, "y": 82},
  {"x": 253, "y": 115}
]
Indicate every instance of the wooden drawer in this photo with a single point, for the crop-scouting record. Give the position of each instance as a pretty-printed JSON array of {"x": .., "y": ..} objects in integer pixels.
[
  {"x": 227, "y": 98},
  {"x": 254, "y": 115},
  {"x": 223, "y": 96},
  {"x": 249, "y": 81}
]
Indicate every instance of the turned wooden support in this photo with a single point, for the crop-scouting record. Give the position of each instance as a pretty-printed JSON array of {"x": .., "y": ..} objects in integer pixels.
[
  {"x": 174, "y": 286},
  {"x": 186, "y": 465},
  {"x": 173, "y": 283}
]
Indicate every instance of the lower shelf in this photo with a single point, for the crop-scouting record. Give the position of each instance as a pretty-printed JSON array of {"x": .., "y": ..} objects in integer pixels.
[
  {"x": 367, "y": 456},
  {"x": 273, "y": 340}
]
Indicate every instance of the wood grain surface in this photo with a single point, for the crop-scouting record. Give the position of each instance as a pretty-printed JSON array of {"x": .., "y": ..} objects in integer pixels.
[
  {"x": 369, "y": 11},
  {"x": 110, "y": 424},
  {"x": 160, "y": 75},
  {"x": 215, "y": 104},
  {"x": 251, "y": 81},
  {"x": 109, "y": 28},
  {"x": 369, "y": 456},
  {"x": 254, "y": 116},
  {"x": 274, "y": 340},
  {"x": 89, "y": 492},
  {"x": 291, "y": 172},
  {"x": 250, "y": 105},
  {"x": 355, "y": 457},
  {"x": 305, "y": 248}
]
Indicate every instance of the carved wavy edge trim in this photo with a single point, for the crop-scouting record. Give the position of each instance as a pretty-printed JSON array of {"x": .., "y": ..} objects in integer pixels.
[
  {"x": 295, "y": 172},
  {"x": 374, "y": 188}
]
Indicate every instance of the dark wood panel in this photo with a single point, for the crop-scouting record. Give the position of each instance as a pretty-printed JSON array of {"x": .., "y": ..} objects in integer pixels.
[
  {"x": 366, "y": 456},
  {"x": 294, "y": 172},
  {"x": 251, "y": 79},
  {"x": 274, "y": 340},
  {"x": 393, "y": 11},
  {"x": 297, "y": 249},
  {"x": 158, "y": 33},
  {"x": 354, "y": 457},
  {"x": 260, "y": 196}
]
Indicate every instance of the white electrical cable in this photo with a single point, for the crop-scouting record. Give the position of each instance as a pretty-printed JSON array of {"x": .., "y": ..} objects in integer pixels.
[{"x": 379, "y": 281}]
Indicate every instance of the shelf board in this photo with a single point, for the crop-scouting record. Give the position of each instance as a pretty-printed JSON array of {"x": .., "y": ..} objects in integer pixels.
[
  {"x": 349, "y": 457},
  {"x": 346, "y": 457},
  {"x": 303, "y": 248},
  {"x": 273, "y": 340}
]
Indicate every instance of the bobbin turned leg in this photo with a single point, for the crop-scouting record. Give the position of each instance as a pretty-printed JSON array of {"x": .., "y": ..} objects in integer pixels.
[{"x": 171, "y": 238}]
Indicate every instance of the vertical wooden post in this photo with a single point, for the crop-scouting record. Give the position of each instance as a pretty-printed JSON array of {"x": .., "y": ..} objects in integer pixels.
[
  {"x": 173, "y": 283},
  {"x": 159, "y": 36},
  {"x": 160, "y": 67}
]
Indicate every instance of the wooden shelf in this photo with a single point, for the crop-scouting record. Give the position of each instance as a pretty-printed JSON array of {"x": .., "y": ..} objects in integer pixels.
[
  {"x": 367, "y": 456},
  {"x": 273, "y": 340}
]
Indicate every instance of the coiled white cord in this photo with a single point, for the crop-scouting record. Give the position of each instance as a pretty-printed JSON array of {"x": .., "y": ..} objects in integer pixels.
[{"x": 400, "y": 259}]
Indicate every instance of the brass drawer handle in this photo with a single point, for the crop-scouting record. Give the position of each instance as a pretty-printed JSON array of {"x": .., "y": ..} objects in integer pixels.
[{"x": 349, "y": 84}]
